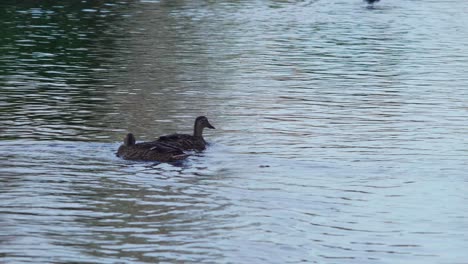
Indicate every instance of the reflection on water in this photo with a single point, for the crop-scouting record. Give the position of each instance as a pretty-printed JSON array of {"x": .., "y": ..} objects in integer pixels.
[{"x": 340, "y": 131}]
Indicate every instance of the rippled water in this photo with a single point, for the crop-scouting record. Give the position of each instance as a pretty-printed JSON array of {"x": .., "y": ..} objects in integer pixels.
[{"x": 341, "y": 131}]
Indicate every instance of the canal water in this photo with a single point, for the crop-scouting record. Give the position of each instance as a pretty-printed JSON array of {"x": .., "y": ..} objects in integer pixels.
[{"x": 341, "y": 131}]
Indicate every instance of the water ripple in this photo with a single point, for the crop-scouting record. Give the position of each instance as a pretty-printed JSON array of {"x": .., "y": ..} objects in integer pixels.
[{"x": 340, "y": 132}]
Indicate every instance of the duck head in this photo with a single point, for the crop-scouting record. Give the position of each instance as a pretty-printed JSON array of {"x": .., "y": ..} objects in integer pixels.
[
  {"x": 129, "y": 139},
  {"x": 202, "y": 121}
]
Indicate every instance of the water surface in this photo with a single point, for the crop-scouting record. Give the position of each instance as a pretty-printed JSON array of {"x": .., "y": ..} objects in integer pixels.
[{"x": 341, "y": 131}]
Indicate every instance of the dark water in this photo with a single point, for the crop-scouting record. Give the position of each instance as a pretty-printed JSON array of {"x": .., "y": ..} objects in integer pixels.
[{"x": 341, "y": 131}]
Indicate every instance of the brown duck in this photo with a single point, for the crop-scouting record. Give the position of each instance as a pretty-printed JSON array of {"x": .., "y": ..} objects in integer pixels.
[
  {"x": 149, "y": 151},
  {"x": 186, "y": 141}
]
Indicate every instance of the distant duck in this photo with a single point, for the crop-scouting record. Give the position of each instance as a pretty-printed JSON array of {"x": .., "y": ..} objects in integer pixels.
[
  {"x": 149, "y": 151},
  {"x": 189, "y": 142},
  {"x": 370, "y": 2}
]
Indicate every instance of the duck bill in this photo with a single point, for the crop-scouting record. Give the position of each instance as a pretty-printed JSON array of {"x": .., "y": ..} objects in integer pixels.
[{"x": 210, "y": 126}]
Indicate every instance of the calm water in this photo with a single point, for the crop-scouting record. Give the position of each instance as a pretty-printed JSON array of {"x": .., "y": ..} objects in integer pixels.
[{"x": 341, "y": 131}]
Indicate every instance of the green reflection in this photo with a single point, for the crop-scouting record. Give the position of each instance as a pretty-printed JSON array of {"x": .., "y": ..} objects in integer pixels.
[{"x": 51, "y": 58}]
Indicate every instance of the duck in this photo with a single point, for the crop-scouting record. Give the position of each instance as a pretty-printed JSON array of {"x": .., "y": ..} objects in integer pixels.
[
  {"x": 149, "y": 151},
  {"x": 189, "y": 142},
  {"x": 370, "y": 2}
]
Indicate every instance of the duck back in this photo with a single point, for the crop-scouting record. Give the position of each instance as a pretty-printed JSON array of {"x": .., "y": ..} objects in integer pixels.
[
  {"x": 184, "y": 141},
  {"x": 151, "y": 151}
]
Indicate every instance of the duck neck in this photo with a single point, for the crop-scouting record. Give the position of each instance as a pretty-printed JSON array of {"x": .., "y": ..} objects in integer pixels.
[
  {"x": 129, "y": 140},
  {"x": 198, "y": 130}
]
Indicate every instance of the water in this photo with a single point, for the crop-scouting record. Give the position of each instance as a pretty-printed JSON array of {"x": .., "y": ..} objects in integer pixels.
[{"x": 341, "y": 131}]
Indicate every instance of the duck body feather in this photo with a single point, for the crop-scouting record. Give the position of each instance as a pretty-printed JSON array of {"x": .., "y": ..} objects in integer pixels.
[
  {"x": 150, "y": 151},
  {"x": 186, "y": 141},
  {"x": 183, "y": 141}
]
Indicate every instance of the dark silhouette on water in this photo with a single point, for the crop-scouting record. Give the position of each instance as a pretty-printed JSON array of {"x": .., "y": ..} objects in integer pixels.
[
  {"x": 149, "y": 151},
  {"x": 370, "y": 2},
  {"x": 166, "y": 148},
  {"x": 186, "y": 141}
]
